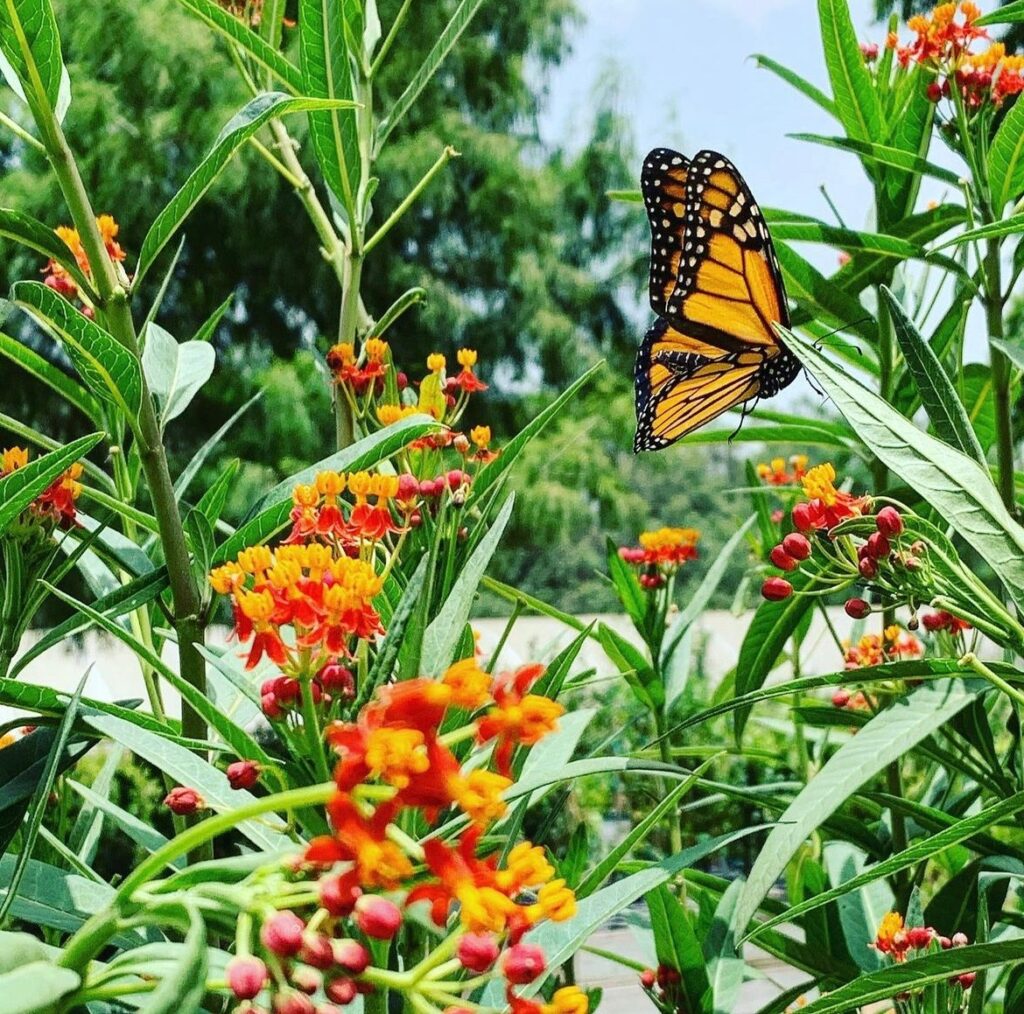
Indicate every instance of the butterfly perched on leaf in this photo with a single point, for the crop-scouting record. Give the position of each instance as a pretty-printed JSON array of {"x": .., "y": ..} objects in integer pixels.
[{"x": 717, "y": 289}]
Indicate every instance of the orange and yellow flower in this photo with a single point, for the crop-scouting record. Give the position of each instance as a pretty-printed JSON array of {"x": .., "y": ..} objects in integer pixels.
[{"x": 826, "y": 506}]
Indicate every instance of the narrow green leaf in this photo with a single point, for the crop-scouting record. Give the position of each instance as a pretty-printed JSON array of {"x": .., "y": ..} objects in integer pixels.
[
  {"x": 813, "y": 92},
  {"x": 109, "y": 370},
  {"x": 243, "y": 125},
  {"x": 271, "y": 513},
  {"x": 30, "y": 50},
  {"x": 327, "y": 74},
  {"x": 1008, "y": 226},
  {"x": 460, "y": 20},
  {"x": 19, "y": 488},
  {"x": 443, "y": 633},
  {"x": 54, "y": 378},
  {"x": 1010, "y": 14},
  {"x": 853, "y": 90},
  {"x": 883, "y": 154},
  {"x": 232, "y": 29},
  {"x": 1006, "y": 159},
  {"x": 885, "y": 738},
  {"x": 198, "y": 459},
  {"x": 677, "y": 946},
  {"x": 938, "y": 395},
  {"x": 956, "y": 486},
  {"x": 30, "y": 232},
  {"x": 915, "y": 975}
]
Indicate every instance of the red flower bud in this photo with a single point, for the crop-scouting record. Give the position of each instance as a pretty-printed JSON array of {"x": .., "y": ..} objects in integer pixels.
[
  {"x": 877, "y": 546},
  {"x": 797, "y": 546},
  {"x": 351, "y": 955},
  {"x": 869, "y": 50},
  {"x": 803, "y": 517},
  {"x": 648, "y": 978},
  {"x": 293, "y": 1003},
  {"x": 317, "y": 950},
  {"x": 841, "y": 697},
  {"x": 919, "y": 937},
  {"x": 338, "y": 896},
  {"x": 341, "y": 991},
  {"x": 336, "y": 679},
  {"x": 934, "y": 91},
  {"x": 377, "y": 917},
  {"x": 401, "y": 380},
  {"x": 868, "y": 568},
  {"x": 889, "y": 522},
  {"x": 935, "y": 621},
  {"x": 182, "y": 800},
  {"x": 408, "y": 487},
  {"x": 857, "y": 608},
  {"x": 461, "y": 443},
  {"x": 477, "y": 951},
  {"x": 306, "y": 979},
  {"x": 246, "y": 976},
  {"x": 456, "y": 477},
  {"x": 775, "y": 589},
  {"x": 960, "y": 940},
  {"x": 243, "y": 774},
  {"x": 781, "y": 559},
  {"x": 273, "y": 710},
  {"x": 287, "y": 689},
  {"x": 967, "y": 979},
  {"x": 523, "y": 963},
  {"x": 282, "y": 934}
]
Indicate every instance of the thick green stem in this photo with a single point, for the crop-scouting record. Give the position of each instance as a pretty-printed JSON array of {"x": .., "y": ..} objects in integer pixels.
[
  {"x": 344, "y": 422},
  {"x": 118, "y": 318},
  {"x": 675, "y": 831},
  {"x": 1000, "y": 375}
]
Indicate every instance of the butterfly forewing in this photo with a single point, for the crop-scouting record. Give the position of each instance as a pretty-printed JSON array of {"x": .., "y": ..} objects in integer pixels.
[{"x": 663, "y": 185}]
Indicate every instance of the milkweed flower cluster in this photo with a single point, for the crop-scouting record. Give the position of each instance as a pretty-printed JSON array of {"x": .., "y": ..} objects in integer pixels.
[
  {"x": 893, "y": 644},
  {"x": 779, "y": 472},
  {"x": 897, "y": 942},
  {"x": 840, "y": 540},
  {"x": 58, "y": 278},
  {"x": 660, "y": 554},
  {"x": 944, "y": 42},
  {"x": 55, "y": 506},
  {"x": 314, "y": 924}
]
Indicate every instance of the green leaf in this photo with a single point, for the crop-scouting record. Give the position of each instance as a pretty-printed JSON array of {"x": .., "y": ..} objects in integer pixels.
[
  {"x": 271, "y": 512},
  {"x": 327, "y": 74},
  {"x": 911, "y": 975},
  {"x": 677, "y": 946},
  {"x": 36, "y": 988},
  {"x": 394, "y": 638},
  {"x": 175, "y": 372},
  {"x": 1010, "y": 14},
  {"x": 19, "y": 488},
  {"x": 955, "y": 485},
  {"x": 492, "y": 472},
  {"x": 884, "y": 155},
  {"x": 30, "y": 831},
  {"x": 1013, "y": 350},
  {"x": 805, "y": 434},
  {"x": 181, "y": 990},
  {"x": 460, "y": 20},
  {"x": 862, "y": 907},
  {"x": 187, "y": 769},
  {"x": 884, "y": 739},
  {"x": 211, "y": 505},
  {"x": 938, "y": 395},
  {"x": 1006, "y": 159},
  {"x": 815, "y": 94},
  {"x": 243, "y": 125},
  {"x": 921, "y": 851},
  {"x": 107, "y": 367},
  {"x": 634, "y": 667},
  {"x": 30, "y": 56},
  {"x": 853, "y": 90},
  {"x": 444, "y": 632},
  {"x": 1008, "y": 226},
  {"x": 30, "y": 232},
  {"x": 773, "y": 625},
  {"x": 626, "y": 585},
  {"x": 232, "y": 29},
  {"x": 54, "y": 378}
]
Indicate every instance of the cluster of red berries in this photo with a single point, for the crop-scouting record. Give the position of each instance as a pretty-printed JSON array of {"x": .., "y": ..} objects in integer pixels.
[
  {"x": 941, "y": 620},
  {"x": 663, "y": 987}
]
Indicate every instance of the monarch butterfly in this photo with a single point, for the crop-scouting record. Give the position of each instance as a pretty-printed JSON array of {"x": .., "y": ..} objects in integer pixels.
[{"x": 717, "y": 289}]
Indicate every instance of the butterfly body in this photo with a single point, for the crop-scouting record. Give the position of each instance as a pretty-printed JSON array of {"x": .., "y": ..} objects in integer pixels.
[{"x": 716, "y": 286}]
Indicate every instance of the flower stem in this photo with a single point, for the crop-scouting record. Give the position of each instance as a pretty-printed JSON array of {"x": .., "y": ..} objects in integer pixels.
[{"x": 1000, "y": 375}]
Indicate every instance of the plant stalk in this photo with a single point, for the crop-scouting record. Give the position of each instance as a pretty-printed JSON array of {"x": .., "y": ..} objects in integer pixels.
[{"x": 1000, "y": 375}]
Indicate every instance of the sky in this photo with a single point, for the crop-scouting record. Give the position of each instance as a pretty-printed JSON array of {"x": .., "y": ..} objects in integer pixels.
[{"x": 686, "y": 80}]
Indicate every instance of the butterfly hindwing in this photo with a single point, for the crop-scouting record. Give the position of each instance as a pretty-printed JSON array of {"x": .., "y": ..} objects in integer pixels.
[
  {"x": 663, "y": 185},
  {"x": 682, "y": 383}
]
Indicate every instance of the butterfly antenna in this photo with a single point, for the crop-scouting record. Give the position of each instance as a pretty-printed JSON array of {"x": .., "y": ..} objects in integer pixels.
[
  {"x": 819, "y": 342},
  {"x": 744, "y": 412}
]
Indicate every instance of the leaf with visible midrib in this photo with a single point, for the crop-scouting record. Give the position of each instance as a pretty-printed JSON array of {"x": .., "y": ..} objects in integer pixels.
[
  {"x": 855, "y": 99},
  {"x": 938, "y": 395},
  {"x": 1006, "y": 159},
  {"x": 35, "y": 21},
  {"x": 256, "y": 112},
  {"x": 957, "y": 487}
]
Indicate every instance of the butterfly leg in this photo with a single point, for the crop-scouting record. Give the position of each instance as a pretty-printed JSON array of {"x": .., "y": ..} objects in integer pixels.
[{"x": 744, "y": 412}]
